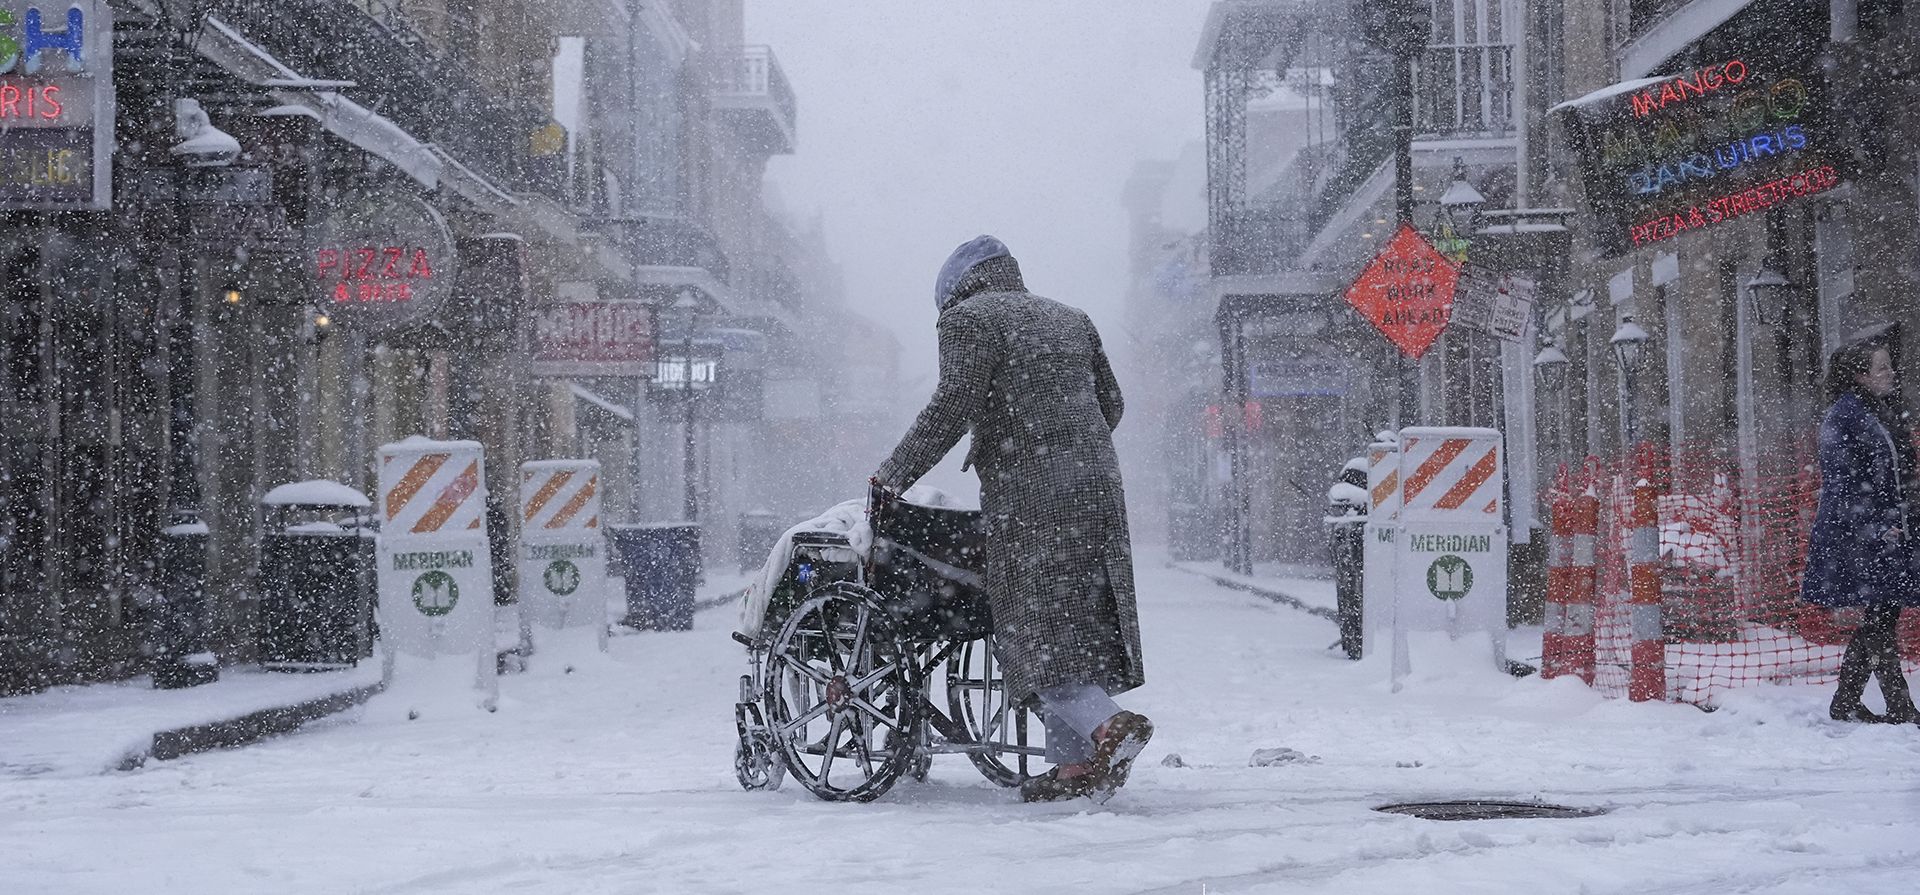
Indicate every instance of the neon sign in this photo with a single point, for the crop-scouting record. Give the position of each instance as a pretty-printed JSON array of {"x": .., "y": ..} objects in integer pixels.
[
  {"x": 363, "y": 274},
  {"x": 1703, "y": 82},
  {"x": 56, "y": 105},
  {"x": 381, "y": 258},
  {"x": 28, "y": 51},
  {"x": 1665, "y": 156}
]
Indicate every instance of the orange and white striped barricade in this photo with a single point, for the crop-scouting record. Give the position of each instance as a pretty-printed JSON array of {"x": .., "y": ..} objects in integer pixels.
[
  {"x": 1556, "y": 656},
  {"x": 563, "y": 555},
  {"x": 436, "y": 580},
  {"x": 1380, "y": 537},
  {"x": 1647, "y": 674},
  {"x": 1582, "y": 584},
  {"x": 1453, "y": 539}
]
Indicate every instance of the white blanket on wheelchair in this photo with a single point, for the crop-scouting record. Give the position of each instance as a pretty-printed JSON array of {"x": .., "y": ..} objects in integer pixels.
[{"x": 848, "y": 518}]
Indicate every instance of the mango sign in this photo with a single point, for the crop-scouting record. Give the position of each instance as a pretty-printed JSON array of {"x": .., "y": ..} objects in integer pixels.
[{"x": 1406, "y": 292}]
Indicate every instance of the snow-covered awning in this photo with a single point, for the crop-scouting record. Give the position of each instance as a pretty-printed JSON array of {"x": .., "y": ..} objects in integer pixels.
[
  {"x": 617, "y": 411},
  {"x": 346, "y": 119},
  {"x": 1679, "y": 29}
]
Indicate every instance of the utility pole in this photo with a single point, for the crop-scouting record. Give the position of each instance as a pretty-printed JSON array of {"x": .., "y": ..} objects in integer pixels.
[{"x": 1401, "y": 28}]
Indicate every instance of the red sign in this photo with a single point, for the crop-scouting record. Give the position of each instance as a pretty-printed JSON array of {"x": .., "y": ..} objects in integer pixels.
[
  {"x": 365, "y": 274},
  {"x": 606, "y": 338},
  {"x": 1406, "y": 292}
]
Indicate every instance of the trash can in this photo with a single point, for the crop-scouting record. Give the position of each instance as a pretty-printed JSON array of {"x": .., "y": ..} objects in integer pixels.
[
  {"x": 1192, "y": 535},
  {"x": 662, "y": 565},
  {"x": 181, "y": 634},
  {"x": 759, "y": 529},
  {"x": 316, "y": 577},
  {"x": 1347, "y": 505}
]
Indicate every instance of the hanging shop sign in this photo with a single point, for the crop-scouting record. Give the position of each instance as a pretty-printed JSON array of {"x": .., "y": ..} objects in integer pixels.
[
  {"x": 1406, "y": 292},
  {"x": 1661, "y": 157},
  {"x": 1491, "y": 302},
  {"x": 56, "y": 105},
  {"x": 381, "y": 259},
  {"x": 592, "y": 337}
]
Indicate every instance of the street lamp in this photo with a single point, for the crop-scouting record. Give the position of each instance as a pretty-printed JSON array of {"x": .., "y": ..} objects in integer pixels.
[
  {"x": 1629, "y": 348},
  {"x": 686, "y": 310},
  {"x": 1459, "y": 210},
  {"x": 1768, "y": 290}
]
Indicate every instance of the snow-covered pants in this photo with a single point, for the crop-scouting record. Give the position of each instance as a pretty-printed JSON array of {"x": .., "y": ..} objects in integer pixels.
[{"x": 1073, "y": 712}]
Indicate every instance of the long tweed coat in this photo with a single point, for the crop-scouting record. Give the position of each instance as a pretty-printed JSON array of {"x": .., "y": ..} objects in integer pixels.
[
  {"x": 1028, "y": 376},
  {"x": 1849, "y": 561}
]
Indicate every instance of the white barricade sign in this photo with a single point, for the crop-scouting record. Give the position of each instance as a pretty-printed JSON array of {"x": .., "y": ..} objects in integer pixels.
[
  {"x": 563, "y": 561},
  {"x": 436, "y": 580},
  {"x": 1451, "y": 562},
  {"x": 1381, "y": 536}
]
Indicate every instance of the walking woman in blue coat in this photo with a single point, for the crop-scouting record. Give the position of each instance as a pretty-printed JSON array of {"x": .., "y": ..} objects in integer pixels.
[{"x": 1861, "y": 549}]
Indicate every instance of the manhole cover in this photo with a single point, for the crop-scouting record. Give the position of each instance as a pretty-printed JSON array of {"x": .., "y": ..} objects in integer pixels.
[{"x": 1487, "y": 809}]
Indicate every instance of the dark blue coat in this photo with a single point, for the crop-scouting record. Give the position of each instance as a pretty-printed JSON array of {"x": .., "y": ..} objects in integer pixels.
[{"x": 1849, "y": 562}]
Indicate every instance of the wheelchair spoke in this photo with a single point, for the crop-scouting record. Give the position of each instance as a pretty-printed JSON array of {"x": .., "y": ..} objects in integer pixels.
[
  {"x": 870, "y": 709},
  {"x": 862, "y": 685},
  {"x": 799, "y": 723},
  {"x": 832, "y": 748}
]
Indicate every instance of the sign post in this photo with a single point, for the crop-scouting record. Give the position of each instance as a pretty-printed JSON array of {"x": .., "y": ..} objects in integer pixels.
[
  {"x": 563, "y": 561},
  {"x": 1382, "y": 539},
  {"x": 435, "y": 574},
  {"x": 1451, "y": 553}
]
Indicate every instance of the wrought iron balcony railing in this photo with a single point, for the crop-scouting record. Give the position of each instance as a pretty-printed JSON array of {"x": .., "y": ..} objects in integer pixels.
[
  {"x": 1464, "y": 91},
  {"x": 751, "y": 87}
]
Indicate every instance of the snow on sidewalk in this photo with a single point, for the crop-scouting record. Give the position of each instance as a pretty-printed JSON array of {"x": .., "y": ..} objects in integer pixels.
[
  {"x": 94, "y": 728},
  {"x": 617, "y": 778}
]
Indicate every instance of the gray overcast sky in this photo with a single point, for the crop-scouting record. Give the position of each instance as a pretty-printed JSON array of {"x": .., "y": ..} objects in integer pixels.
[{"x": 923, "y": 124}]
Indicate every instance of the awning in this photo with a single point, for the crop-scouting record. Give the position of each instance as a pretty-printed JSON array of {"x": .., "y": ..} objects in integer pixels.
[
  {"x": 719, "y": 296},
  {"x": 617, "y": 411},
  {"x": 1645, "y": 54},
  {"x": 348, "y": 120}
]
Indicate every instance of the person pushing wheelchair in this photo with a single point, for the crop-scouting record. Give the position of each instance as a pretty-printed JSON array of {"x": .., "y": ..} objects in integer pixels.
[{"x": 1028, "y": 377}]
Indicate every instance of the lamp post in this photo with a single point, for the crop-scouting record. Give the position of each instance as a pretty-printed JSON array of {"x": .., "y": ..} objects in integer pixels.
[
  {"x": 1553, "y": 367},
  {"x": 687, "y": 313},
  {"x": 183, "y": 633},
  {"x": 1629, "y": 347}
]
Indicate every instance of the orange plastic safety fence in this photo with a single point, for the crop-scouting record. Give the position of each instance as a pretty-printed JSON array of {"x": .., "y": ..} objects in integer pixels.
[{"x": 1732, "y": 548}]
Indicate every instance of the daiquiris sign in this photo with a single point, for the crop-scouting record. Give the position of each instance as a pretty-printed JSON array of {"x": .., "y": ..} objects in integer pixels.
[
  {"x": 56, "y": 105},
  {"x": 1664, "y": 156}
]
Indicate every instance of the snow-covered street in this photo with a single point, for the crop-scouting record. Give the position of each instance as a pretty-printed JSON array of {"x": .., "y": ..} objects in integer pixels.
[{"x": 618, "y": 779}]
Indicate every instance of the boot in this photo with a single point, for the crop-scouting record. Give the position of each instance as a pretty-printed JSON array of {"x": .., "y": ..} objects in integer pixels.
[
  {"x": 1051, "y": 787},
  {"x": 1893, "y": 686},
  {"x": 1115, "y": 745},
  {"x": 1855, "y": 668}
]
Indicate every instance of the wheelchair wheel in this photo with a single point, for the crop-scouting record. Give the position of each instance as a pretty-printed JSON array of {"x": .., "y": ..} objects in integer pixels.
[
  {"x": 978, "y": 700},
  {"x": 836, "y": 698}
]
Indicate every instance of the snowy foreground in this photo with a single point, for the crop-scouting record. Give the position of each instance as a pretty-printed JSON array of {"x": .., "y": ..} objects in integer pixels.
[{"x": 618, "y": 778}]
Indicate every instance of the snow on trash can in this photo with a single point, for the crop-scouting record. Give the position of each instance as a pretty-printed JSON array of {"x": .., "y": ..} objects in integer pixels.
[
  {"x": 181, "y": 633},
  {"x": 662, "y": 566},
  {"x": 317, "y": 577}
]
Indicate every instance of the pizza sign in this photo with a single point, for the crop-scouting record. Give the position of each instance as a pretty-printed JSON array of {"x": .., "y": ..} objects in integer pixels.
[
  {"x": 373, "y": 273},
  {"x": 382, "y": 258}
]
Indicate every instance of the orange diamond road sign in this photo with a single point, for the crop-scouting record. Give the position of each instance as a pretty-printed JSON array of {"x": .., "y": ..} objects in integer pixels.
[{"x": 1406, "y": 292}]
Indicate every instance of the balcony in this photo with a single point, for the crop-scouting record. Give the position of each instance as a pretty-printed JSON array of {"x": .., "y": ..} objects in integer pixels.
[
  {"x": 403, "y": 71},
  {"x": 1464, "y": 92},
  {"x": 752, "y": 94}
]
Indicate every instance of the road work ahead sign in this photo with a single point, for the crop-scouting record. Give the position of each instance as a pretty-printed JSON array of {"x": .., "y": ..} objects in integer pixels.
[{"x": 1406, "y": 292}]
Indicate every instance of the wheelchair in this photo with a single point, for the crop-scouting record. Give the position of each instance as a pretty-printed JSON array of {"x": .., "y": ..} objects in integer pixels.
[{"x": 867, "y": 667}]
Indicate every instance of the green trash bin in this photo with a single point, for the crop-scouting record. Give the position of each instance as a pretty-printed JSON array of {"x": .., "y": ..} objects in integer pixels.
[{"x": 317, "y": 578}]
